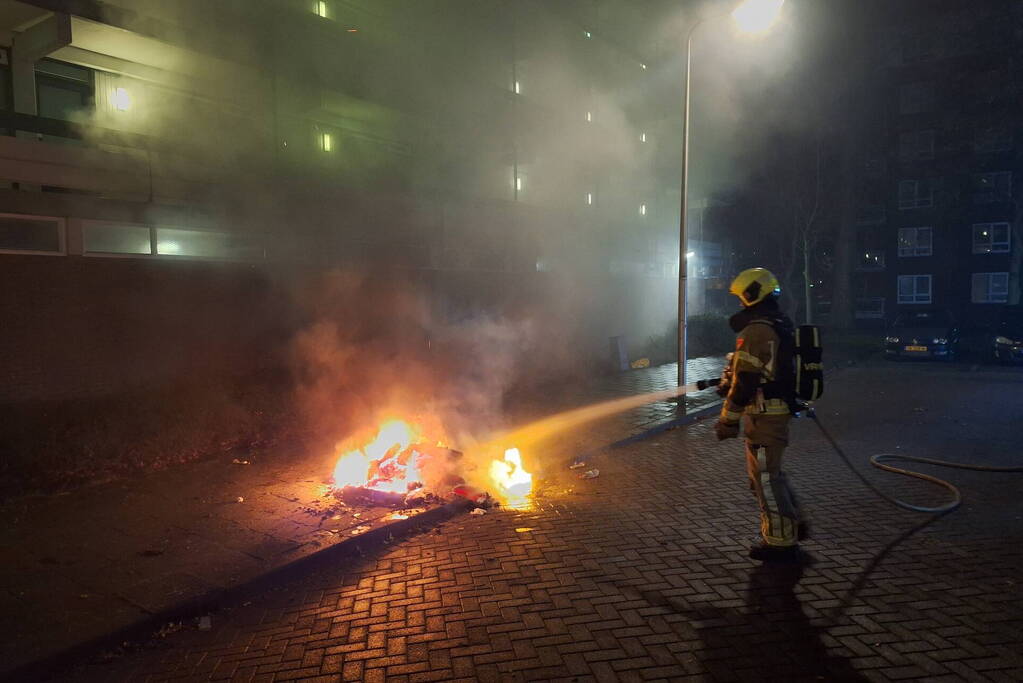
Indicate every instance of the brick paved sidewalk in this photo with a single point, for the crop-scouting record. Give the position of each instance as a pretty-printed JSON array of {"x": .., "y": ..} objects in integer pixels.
[
  {"x": 84, "y": 565},
  {"x": 641, "y": 574}
]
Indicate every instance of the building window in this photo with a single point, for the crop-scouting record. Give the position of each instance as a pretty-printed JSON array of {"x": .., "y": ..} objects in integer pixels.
[
  {"x": 64, "y": 91},
  {"x": 994, "y": 137},
  {"x": 871, "y": 308},
  {"x": 872, "y": 260},
  {"x": 24, "y": 234},
  {"x": 642, "y": 137},
  {"x": 642, "y": 209},
  {"x": 589, "y": 116},
  {"x": 916, "y": 145},
  {"x": 990, "y": 288},
  {"x": 101, "y": 238},
  {"x": 916, "y": 97},
  {"x": 320, "y": 8},
  {"x": 205, "y": 244},
  {"x": 990, "y": 238},
  {"x": 916, "y": 194},
  {"x": 914, "y": 289},
  {"x": 992, "y": 187},
  {"x": 589, "y": 199},
  {"x": 915, "y": 241}
]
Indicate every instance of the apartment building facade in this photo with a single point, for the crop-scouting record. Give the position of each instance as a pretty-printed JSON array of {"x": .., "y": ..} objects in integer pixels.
[
  {"x": 164, "y": 167},
  {"x": 938, "y": 212}
]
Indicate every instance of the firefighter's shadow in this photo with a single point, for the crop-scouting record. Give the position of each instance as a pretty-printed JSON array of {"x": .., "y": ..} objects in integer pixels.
[{"x": 772, "y": 636}]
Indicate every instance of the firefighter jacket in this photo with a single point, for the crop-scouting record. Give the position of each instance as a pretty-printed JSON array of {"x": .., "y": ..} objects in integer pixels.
[{"x": 762, "y": 375}]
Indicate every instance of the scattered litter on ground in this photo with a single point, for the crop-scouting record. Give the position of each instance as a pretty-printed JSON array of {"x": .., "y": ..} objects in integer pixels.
[
  {"x": 590, "y": 474},
  {"x": 578, "y": 464},
  {"x": 360, "y": 530},
  {"x": 524, "y": 529},
  {"x": 357, "y": 515},
  {"x": 239, "y": 499},
  {"x": 481, "y": 498},
  {"x": 205, "y": 623},
  {"x": 169, "y": 628},
  {"x": 478, "y": 511},
  {"x": 236, "y": 461}
]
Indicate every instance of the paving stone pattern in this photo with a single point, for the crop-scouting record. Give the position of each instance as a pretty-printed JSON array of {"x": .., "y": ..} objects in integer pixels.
[{"x": 641, "y": 574}]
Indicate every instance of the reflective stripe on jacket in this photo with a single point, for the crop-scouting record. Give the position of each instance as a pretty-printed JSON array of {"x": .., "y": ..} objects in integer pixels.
[{"x": 753, "y": 365}]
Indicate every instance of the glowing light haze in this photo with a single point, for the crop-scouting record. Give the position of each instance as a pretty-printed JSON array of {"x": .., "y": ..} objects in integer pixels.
[{"x": 757, "y": 16}]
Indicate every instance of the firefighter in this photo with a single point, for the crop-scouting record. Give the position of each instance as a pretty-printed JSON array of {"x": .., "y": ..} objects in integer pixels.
[{"x": 759, "y": 392}]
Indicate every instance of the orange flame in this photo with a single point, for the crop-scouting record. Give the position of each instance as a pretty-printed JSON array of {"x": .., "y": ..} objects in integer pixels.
[{"x": 380, "y": 461}]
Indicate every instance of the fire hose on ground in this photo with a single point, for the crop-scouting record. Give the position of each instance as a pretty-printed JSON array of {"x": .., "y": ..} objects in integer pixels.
[{"x": 880, "y": 459}]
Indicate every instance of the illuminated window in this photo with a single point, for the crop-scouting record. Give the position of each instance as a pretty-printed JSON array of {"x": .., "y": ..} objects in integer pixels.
[
  {"x": 181, "y": 242},
  {"x": 320, "y": 8},
  {"x": 587, "y": 34},
  {"x": 326, "y": 142},
  {"x": 642, "y": 137},
  {"x": 589, "y": 116},
  {"x": 990, "y": 238},
  {"x": 518, "y": 88},
  {"x": 589, "y": 199},
  {"x": 872, "y": 260},
  {"x": 916, "y": 241},
  {"x": 642, "y": 209},
  {"x": 121, "y": 99},
  {"x": 518, "y": 183},
  {"x": 643, "y": 66}
]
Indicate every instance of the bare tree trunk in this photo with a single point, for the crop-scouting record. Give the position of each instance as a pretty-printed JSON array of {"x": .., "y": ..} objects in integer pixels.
[{"x": 807, "y": 235}]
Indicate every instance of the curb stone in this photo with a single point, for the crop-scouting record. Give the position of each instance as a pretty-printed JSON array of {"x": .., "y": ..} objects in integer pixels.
[{"x": 214, "y": 600}]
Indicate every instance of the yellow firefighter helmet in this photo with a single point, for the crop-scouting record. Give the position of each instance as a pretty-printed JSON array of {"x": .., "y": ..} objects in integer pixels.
[{"x": 754, "y": 285}]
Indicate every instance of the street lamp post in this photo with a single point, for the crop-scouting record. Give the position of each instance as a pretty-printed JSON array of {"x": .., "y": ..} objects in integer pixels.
[{"x": 752, "y": 16}]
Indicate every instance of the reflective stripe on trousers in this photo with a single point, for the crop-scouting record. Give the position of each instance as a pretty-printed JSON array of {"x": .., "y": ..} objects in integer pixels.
[{"x": 779, "y": 516}]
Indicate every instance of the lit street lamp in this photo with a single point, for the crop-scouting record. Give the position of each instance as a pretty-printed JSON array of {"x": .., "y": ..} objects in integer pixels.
[{"x": 752, "y": 17}]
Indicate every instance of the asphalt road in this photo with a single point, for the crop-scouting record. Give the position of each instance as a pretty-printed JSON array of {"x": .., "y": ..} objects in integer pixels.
[{"x": 641, "y": 573}]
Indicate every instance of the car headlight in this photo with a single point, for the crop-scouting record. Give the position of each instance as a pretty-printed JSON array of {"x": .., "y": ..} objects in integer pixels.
[
  {"x": 1005, "y": 340},
  {"x": 940, "y": 340},
  {"x": 892, "y": 340}
]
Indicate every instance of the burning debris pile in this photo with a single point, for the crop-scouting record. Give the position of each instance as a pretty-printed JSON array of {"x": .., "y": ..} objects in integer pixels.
[{"x": 401, "y": 468}]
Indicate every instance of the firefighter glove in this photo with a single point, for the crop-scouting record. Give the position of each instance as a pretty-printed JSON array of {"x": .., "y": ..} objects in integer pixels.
[{"x": 726, "y": 430}]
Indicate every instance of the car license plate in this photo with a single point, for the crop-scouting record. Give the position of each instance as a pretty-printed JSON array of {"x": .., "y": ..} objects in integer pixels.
[{"x": 916, "y": 348}]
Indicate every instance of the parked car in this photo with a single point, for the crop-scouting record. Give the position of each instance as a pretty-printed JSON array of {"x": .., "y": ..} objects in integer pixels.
[
  {"x": 929, "y": 333},
  {"x": 1008, "y": 336}
]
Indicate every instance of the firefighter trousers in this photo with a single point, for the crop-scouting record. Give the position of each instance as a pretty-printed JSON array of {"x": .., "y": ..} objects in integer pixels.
[{"x": 766, "y": 439}]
